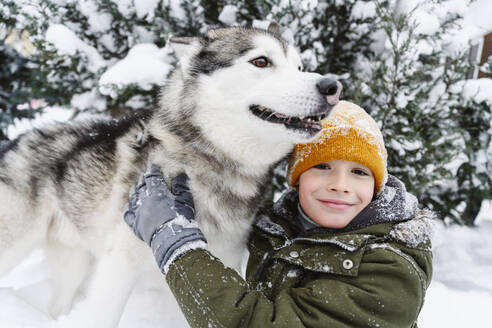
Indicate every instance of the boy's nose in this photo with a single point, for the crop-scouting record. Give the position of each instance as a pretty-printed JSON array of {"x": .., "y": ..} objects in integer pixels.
[{"x": 339, "y": 182}]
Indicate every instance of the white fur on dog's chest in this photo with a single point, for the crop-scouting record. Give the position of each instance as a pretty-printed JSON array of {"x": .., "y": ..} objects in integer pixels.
[
  {"x": 228, "y": 240},
  {"x": 225, "y": 227}
]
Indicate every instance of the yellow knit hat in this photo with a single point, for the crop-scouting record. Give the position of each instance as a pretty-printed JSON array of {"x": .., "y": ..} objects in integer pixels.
[{"x": 349, "y": 134}]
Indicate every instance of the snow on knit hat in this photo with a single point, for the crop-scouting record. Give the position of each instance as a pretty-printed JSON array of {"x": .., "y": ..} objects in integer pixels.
[{"x": 349, "y": 134}]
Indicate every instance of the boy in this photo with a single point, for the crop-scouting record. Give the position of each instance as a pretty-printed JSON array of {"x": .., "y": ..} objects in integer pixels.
[{"x": 347, "y": 247}]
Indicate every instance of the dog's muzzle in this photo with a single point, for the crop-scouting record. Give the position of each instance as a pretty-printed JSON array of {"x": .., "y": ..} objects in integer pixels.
[
  {"x": 311, "y": 124},
  {"x": 329, "y": 88}
]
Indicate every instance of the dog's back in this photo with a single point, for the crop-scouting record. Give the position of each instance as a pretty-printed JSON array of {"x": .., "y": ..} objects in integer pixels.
[{"x": 59, "y": 176}]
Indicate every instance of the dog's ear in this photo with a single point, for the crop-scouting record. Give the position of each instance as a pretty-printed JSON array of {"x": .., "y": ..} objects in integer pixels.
[
  {"x": 185, "y": 48},
  {"x": 285, "y": 33},
  {"x": 274, "y": 28}
]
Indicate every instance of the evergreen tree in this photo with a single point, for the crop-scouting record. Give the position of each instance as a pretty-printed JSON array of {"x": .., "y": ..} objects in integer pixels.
[
  {"x": 78, "y": 41},
  {"x": 427, "y": 126},
  {"x": 14, "y": 88},
  {"x": 395, "y": 66},
  {"x": 472, "y": 182}
]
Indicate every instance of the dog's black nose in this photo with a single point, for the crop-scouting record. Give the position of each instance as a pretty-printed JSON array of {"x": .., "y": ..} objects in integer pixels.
[
  {"x": 327, "y": 87},
  {"x": 331, "y": 89}
]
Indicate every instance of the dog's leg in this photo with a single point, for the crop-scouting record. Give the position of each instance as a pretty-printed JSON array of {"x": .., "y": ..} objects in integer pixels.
[
  {"x": 114, "y": 277},
  {"x": 21, "y": 229},
  {"x": 69, "y": 266}
]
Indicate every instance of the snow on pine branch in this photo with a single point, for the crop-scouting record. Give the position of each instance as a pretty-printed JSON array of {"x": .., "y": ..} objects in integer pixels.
[{"x": 145, "y": 65}]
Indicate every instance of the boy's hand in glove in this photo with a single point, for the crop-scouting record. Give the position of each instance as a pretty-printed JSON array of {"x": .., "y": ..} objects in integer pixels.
[{"x": 163, "y": 218}]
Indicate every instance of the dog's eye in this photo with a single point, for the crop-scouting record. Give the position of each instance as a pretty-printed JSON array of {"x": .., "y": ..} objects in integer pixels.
[{"x": 261, "y": 62}]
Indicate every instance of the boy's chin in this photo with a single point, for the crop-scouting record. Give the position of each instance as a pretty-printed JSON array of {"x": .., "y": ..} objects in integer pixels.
[{"x": 333, "y": 222}]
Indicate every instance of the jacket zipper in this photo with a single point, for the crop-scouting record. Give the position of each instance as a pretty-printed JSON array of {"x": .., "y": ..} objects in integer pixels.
[{"x": 328, "y": 241}]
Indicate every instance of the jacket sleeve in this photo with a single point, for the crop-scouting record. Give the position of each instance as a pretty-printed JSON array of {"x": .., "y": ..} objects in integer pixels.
[{"x": 385, "y": 293}]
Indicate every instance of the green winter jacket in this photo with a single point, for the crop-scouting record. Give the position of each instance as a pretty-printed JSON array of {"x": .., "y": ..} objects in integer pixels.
[{"x": 362, "y": 276}]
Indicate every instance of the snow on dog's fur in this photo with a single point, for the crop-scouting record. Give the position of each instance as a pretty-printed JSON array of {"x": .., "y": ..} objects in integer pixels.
[{"x": 235, "y": 106}]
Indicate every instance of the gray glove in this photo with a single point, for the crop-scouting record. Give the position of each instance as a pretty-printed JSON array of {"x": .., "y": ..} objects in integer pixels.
[{"x": 163, "y": 218}]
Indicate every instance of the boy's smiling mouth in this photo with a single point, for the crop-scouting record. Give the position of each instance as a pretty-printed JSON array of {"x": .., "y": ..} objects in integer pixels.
[{"x": 335, "y": 204}]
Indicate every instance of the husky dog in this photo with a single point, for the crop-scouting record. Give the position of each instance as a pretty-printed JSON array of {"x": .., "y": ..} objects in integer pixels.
[{"x": 234, "y": 107}]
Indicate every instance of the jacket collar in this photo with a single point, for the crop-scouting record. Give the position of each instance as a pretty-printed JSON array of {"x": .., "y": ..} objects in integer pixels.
[
  {"x": 394, "y": 204},
  {"x": 281, "y": 229}
]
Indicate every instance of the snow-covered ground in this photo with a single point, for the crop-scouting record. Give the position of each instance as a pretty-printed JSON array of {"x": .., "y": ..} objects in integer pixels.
[{"x": 460, "y": 294}]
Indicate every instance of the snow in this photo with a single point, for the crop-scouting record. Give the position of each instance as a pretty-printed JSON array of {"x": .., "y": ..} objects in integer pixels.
[
  {"x": 144, "y": 65},
  {"x": 228, "y": 15},
  {"x": 427, "y": 23},
  {"x": 67, "y": 43},
  {"x": 415, "y": 232},
  {"x": 461, "y": 291},
  {"x": 124, "y": 6},
  {"x": 485, "y": 212},
  {"x": 58, "y": 114},
  {"x": 363, "y": 9},
  {"x": 261, "y": 24},
  {"x": 19, "y": 313},
  {"x": 98, "y": 22},
  {"x": 476, "y": 23},
  {"x": 89, "y": 99},
  {"x": 478, "y": 90},
  {"x": 146, "y": 8},
  {"x": 460, "y": 294},
  {"x": 463, "y": 308},
  {"x": 478, "y": 15},
  {"x": 176, "y": 9}
]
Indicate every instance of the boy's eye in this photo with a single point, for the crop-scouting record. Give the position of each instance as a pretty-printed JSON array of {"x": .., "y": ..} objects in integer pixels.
[
  {"x": 322, "y": 166},
  {"x": 360, "y": 172}
]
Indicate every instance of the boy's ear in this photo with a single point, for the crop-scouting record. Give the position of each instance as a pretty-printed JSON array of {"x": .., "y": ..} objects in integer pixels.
[{"x": 185, "y": 48}]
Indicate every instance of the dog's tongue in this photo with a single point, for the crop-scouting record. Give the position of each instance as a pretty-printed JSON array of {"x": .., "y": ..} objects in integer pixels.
[{"x": 333, "y": 99}]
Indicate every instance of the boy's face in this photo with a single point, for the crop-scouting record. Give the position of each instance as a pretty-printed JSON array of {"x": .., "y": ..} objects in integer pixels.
[{"x": 334, "y": 192}]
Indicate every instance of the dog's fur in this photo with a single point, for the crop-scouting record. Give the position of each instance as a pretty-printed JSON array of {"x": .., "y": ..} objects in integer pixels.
[{"x": 66, "y": 186}]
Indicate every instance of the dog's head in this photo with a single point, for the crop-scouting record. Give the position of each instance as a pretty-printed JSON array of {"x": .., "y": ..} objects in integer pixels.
[{"x": 248, "y": 91}]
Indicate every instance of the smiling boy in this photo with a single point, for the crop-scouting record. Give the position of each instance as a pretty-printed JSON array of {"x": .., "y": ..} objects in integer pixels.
[
  {"x": 345, "y": 247},
  {"x": 334, "y": 192}
]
